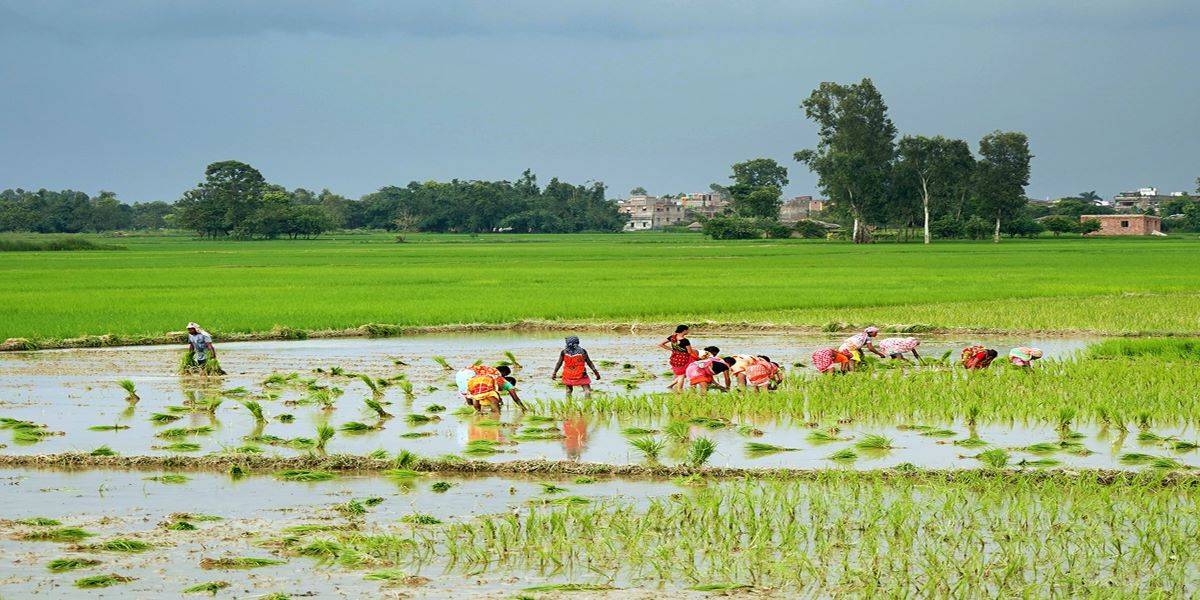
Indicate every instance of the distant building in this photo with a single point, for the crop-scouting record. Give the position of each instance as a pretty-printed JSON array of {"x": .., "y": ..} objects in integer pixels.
[
  {"x": 800, "y": 208},
  {"x": 704, "y": 204},
  {"x": 651, "y": 212},
  {"x": 1126, "y": 224},
  {"x": 1142, "y": 199}
]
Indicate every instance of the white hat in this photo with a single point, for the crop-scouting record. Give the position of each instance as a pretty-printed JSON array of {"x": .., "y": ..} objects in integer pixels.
[{"x": 193, "y": 325}]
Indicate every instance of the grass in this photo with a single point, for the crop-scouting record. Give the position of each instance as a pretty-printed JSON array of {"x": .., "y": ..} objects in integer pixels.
[
  {"x": 939, "y": 283},
  {"x": 101, "y": 581},
  {"x": 62, "y": 565},
  {"x": 1167, "y": 349}
]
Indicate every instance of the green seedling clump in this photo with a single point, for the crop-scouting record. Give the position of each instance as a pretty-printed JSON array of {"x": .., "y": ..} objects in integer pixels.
[
  {"x": 62, "y": 565},
  {"x": 101, "y": 581}
]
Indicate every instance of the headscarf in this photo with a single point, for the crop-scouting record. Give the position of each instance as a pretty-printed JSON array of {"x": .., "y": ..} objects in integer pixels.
[
  {"x": 199, "y": 330},
  {"x": 1035, "y": 353},
  {"x": 871, "y": 330},
  {"x": 573, "y": 348}
]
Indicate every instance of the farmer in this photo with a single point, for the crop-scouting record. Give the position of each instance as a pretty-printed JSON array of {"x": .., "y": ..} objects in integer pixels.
[
  {"x": 854, "y": 344},
  {"x": 702, "y": 372},
  {"x": 501, "y": 379},
  {"x": 710, "y": 352},
  {"x": 739, "y": 366},
  {"x": 575, "y": 362},
  {"x": 484, "y": 390},
  {"x": 682, "y": 354},
  {"x": 898, "y": 347},
  {"x": 201, "y": 344},
  {"x": 763, "y": 373},
  {"x": 978, "y": 357},
  {"x": 1023, "y": 356},
  {"x": 826, "y": 359}
]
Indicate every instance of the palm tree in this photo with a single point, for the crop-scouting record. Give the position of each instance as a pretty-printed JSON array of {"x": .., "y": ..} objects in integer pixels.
[{"x": 1091, "y": 196}]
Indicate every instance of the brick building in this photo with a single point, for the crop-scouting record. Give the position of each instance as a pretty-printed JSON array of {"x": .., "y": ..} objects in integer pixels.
[{"x": 1126, "y": 224}]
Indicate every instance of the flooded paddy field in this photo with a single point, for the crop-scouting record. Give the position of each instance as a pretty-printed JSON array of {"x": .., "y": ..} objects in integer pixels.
[{"x": 76, "y": 391}]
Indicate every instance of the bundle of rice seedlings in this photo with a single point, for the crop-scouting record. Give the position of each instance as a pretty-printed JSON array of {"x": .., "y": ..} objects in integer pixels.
[
  {"x": 130, "y": 390},
  {"x": 212, "y": 587},
  {"x": 1166, "y": 464},
  {"x": 939, "y": 433},
  {"x": 401, "y": 475},
  {"x": 371, "y": 385},
  {"x": 760, "y": 448},
  {"x": 210, "y": 405},
  {"x": 1042, "y": 448},
  {"x": 649, "y": 447},
  {"x": 420, "y": 519},
  {"x": 749, "y": 431},
  {"x": 693, "y": 480},
  {"x": 584, "y": 480},
  {"x": 101, "y": 581},
  {"x": 325, "y": 433},
  {"x": 62, "y": 565},
  {"x": 570, "y": 587},
  {"x": 407, "y": 388},
  {"x": 709, "y": 422},
  {"x": 512, "y": 359},
  {"x": 550, "y": 488},
  {"x": 377, "y": 407},
  {"x": 873, "y": 441},
  {"x": 678, "y": 431},
  {"x": 357, "y": 427},
  {"x": 637, "y": 431},
  {"x": 1150, "y": 436},
  {"x": 238, "y": 471},
  {"x": 972, "y": 415},
  {"x": 286, "y": 418},
  {"x": 107, "y": 427},
  {"x": 301, "y": 443},
  {"x": 62, "y": 534},
  {"x": 120, "y": 545},
  {"x": 1182, "y": 445},
  {"x": 481, "y": 448},
  {"x": 435, "y": 408},
  {"x": 183, "y": 516},
  {"x": 162, "y": 419},
  {"x": 970, "y": 442},
  {"x": 406, "y": 459},
  {"x": 187, "y": 362},
  {"x": 995, "y": 457},
  {"x": 238, "y": 563},
  {"x": 379, "y": 454},
  {"x": 180, "y": 526},
  {"x": 820, "y": 437},
  {"x": 103, "y": 451},
  {"x": 1143, "y": 420},
  {"x": 40, "y": 522},
  {"x": 441, "y": 360},
  {"x": 179, "y": 447},
  {"x": 303, "y": 475},
  {"x": 179, "y": 432},
  {"x": 170, "y": 478},
  {"x": 844, "y": 454},
  {"x": 721, "y": 587},
  {"x": 255, "y": 410},
  {"x": 417, "y": 434},
  {"x": 700, "y": 450},
  {"x": 420, "y": 419}
]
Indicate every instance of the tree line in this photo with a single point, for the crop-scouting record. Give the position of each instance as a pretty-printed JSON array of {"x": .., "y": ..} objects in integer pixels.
[{"x": 236, "y": 201}]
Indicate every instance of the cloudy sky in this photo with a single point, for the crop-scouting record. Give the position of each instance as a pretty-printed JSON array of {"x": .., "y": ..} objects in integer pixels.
[{"x": 137, "y": 96}]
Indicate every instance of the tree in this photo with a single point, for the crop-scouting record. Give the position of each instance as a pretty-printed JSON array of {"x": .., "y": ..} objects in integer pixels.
[
  {"x": 151, "y": 215},
  {"x": 1002, "y": 174},
  {"x": 757, "y": 188},
  {"x": 1091, "y": 196},
  {"x": 732, "y": 228},
  {"x": 809, "y": 229},
  {"x": 1089, "y": 226},
  {"x": 937, "y": 166},
  {"x": 638, "y": 191},
  {"x": 230, "y": 193},
  {"x": 855, "y": 148},
  {"x": 1059, "y": 224},
  {"x": 109, "y": 214},
  {"x": 1077, "y": 207},
  {"x": 759, "y": 173},
  {"x": 405, "y": 222}
]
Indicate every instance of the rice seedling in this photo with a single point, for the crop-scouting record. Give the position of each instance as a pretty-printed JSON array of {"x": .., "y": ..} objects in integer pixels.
[
  {"x": 325, "y": 432},
  {"x": 235, "y": 392},
  {"x": 570, "y": 587},
  {"x": 169, "y": 479},
  {"x": 749, "y": 431},
  {"x": 1066, "y": 415},
  {"x": 584, "y": 480},
  {"x": 130, "y": 390},
  {"x": 211, "y": 587},
  {"x": 637, "y": 431},
  {"x": 101, "y": 581},
  {"x": 62, "y": 534},
  {"x": 678, "y": 432},
  {"x": 538, "y": 419},
  {"x": 286, "y": 418},
  {"x": 180, "y": 526},
  {"x": 757, "y": 448},
  {"x": 1143, "y": 420},
  {"x": 209, "y": 405},
  {"x": 550, "y": 488},
  {"x": 161, "y": 418},
  {"x": 709, "y": 423},
  {"x": 238, "y": 563},
  {"x": 721, "y": 587},
  {"x": 184, "y": 516},
  {"x": 377, "y": 407},
  {"x": 62, "y": 565},
  {"x": 108, "y": 427},
  {"x": 303, "y": 475},
  {"x": 435, "y": 408},
  {"x": 275, "y": 596},
  {"x": 40, "y": 522},
  {"x": 103, "y": 451},
  {"x": 873, "y": 441},
  {"x": 700, "y": 450},
  {"x": 649, "y": 447},
  {"x": 238, "y": 471},
  {"x": 820, "y": 437},
  {"x": 995, "y": 458},
  {"x": 1038, "y": 462},
  {"x": 1182, "y": 445},
  {"x": 1166, "y": 464},
  {"x": 970, "y": 442},
  {"x": 1136, "y": 458},
  {"x": 407, "y": 388},
  {"x": 179, "y": 447},
  {"x": 492, "y": 423},
  {"x": 357, "y": 427},
  {"x": 120, "y": 545},
  {"x": 481, "y": 448},
  {"x": 401, "y": 474},
  {"x": 1042, "y": 448},
  {"x": 441, "y": 361},
  {"x": 301, "y": 443},
  {"x": 420, "y": 419},
  {"x": 845, "y": 454},
  {"x": 939, "y": 433},
  {"x": 1150, "y": 436},
  {"x": 512, "y": 359},
  {"x": 179, "y": 432},
  {"x": 376, "y": 391},
  {"x": 255, "y": 410},
  {"x": 247, "y": 449},
  {"x": 420, "y": 519},
  {"x": 972, "y": 416},
  {"x": 441, "y": 487},
  {"x": 417, "y": 434}
]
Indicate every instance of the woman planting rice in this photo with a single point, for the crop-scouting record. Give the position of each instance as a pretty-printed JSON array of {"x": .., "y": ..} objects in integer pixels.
[
  {"x": 702, "y": 372},
  {"x": 826, "y": 359},
  {"x": 575, "y": 362},
  {"x": 763, "y": 373},
  {"x": 475, "y": 375},
  {"x": 682, "y": 355},
  {"x": 978, "y": 357},
  {"x": 898, "y": 347},
  {"x": 485, "y": 390},
  {"x": 1023, "y": 356},
  {"x": 854, "y": 344},
  {"x": 464, "y": 376}
]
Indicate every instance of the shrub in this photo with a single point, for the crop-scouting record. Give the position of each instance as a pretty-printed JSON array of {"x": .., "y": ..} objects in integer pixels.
[
  {"x": 809, "y": 229},
  {"x": 732, "y": 228}
]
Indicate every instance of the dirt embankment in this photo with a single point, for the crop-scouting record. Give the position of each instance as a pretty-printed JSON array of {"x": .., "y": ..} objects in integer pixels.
[{"x": 368, "y": 465}]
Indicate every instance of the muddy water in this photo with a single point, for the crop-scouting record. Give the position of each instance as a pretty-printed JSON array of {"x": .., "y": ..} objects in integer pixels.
[
  {"x": 125, "y": 505},
  {"x": 72, "y": 390}
]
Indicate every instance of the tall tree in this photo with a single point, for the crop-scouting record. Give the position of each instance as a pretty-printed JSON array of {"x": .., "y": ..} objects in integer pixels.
[
  {"x": 230, "y": 193},
  {"x": 1091, "y": 196},
  {"x": 937, "y": 167},
  {"x": 638, "y": 191},
  {"x": 757, "y": 188},
  {"x": 855, "y": 148},
  {"x": 1002, "y": 174}
]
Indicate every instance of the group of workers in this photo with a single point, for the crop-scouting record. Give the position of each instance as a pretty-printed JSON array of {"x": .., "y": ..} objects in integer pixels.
[
  {"x": 844, "y": 357},
  {"x": 482, "y": 385}
]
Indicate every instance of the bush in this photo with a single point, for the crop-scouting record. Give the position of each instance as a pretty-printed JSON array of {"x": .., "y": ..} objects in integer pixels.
[
  {"x": 977, "y": 228},
  {"x": 1026, "y": 227},
  {"x": 1059, "y": 225},
  {"x": 776, "y": 230},
  {"x": 947, "y": 228},
  {"x": 810, "y": 230},
  {"x": 1091, "y": 226},
  {"x": 732, "y": 228}
]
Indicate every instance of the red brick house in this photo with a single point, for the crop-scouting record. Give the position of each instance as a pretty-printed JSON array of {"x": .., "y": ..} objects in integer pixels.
[{"x": 1126, "y": 224}]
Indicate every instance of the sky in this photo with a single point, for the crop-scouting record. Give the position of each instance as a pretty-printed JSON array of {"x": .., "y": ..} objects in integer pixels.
[{"x": 137, "y": 96}]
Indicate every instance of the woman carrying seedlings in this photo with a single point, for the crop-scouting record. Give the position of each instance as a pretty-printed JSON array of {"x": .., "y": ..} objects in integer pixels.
[
  {"x": 896, "y": 348},
  {"x": 978, "y": 357},
  {"x": 682, "y": 355},
  {"x": 701, "y": 373},
  {"x": 826, "y": 359},
  {"x": 1023, "y": 356},
  {"x": 200, "y": 344},
  {"x": 575, "y": 362},
  {"x": 854, "y": 344}
]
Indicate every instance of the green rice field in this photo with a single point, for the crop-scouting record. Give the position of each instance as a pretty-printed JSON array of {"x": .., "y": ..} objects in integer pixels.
[{"x": 156, "y": 284}]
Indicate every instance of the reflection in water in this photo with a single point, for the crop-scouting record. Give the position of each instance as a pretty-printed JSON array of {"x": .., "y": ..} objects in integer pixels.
[{"x": 575, "y": 428}]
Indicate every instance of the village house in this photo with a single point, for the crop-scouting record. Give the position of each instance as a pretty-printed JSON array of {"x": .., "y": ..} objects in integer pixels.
[
  {"x": 1143, "y": 199},
  {"x": 651, "y": 212},
  {"x": 1126, "y": 224},
  {"x": 704, "y": 204},
  {"x": 800, "y": 208}
]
